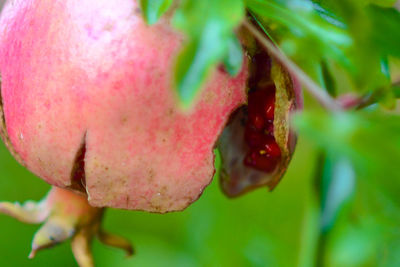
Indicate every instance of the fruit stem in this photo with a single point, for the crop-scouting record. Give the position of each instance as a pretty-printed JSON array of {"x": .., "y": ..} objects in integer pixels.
[{"x": 314, "y": 89}]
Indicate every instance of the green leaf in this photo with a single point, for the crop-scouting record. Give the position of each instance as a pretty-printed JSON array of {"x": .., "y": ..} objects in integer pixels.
[
  {"x": 154, "y": 9},
  {"x": 364, "y": 23},
  {"x": 337, "y": 188},
  {"x": 209, "y": 26},
  {"x": 328, "y": 79},
  {"x": 305, "y": 25},
  {"x": 194, "y": 63},
  {"x": 233, "y": 59}
]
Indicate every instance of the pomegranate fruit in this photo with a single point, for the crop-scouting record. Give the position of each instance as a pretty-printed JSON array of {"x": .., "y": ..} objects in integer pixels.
[{"x": 88, "y": 105}]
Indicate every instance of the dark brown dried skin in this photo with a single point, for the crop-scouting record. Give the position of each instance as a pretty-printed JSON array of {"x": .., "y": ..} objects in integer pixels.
[{"x": 236, "y": 178}]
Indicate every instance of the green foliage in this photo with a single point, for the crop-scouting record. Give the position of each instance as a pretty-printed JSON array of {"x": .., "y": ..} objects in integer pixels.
[
  {"x": 301, "y": 21},
  {"x": 348, "y": 35},
  {"x": 154, "y": 9},
  {"x": 209, "y": 27},
  {"x": 337, "y": 188},
  {"x": 345, "y": 40},
  {"x": 233, "y": 58}
]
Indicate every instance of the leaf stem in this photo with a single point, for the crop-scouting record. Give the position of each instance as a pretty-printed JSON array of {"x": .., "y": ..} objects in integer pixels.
[{"x": 316, "y": 91}]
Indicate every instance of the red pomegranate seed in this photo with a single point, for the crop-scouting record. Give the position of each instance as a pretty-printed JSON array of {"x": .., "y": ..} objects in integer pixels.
[
  {"x": 260, "y": 162},
  {"x": 253, "y": 138},
  {"x": 257, "y": 121},
  {"x": 272, "y": 149},
  {"x": 269, "y": 107},
  {"x": 256, "y": 101},
  {"x": 269, "y": 129},
  {"x": 264, "y": 151}
]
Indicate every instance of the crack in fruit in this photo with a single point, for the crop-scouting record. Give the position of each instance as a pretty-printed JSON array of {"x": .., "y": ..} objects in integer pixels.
[
  {"x": 78, "y": 177},
  {"x": 3, "y": 119}
]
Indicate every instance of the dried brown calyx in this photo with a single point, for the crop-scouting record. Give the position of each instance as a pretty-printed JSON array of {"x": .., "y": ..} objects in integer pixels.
[{"x": 65, "y": 215}]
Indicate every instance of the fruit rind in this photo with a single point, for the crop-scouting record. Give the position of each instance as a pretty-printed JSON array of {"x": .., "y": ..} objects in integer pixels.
[{"x": 92, "y": 74}]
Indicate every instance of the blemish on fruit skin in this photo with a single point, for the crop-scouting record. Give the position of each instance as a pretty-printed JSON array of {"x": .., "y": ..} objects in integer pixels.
[
  {"x": 124, "y": 119},
  {"x": 47, "y": 104},
  {"x": 209, "y": 96},
  {"x": 150, "y": 175},
  {"x": 95, "y": 32},
  {"x": 109, "y": 26},
  {"x": 118, "y": 85},
  {"x": 90, "y": 32},
  {"x": 170, "y": 112}
]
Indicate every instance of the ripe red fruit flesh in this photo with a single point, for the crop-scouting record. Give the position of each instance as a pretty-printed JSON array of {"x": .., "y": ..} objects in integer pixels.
[{"x": 264, "y": 152}]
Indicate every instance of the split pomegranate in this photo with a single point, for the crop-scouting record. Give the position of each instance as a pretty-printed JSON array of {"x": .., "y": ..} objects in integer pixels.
[
  {"x": 257, "y": 145},
  {"x": 87, "y": 104}
]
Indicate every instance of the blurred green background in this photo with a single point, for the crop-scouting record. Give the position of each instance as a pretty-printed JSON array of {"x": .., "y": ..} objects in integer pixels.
[
  {"x": 259, "y": 229},
  {"x": 279, "y": 228}
]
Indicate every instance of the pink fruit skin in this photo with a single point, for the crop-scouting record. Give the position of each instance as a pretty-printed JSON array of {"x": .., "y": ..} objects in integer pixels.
[{"x": 91, "y": 72}]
